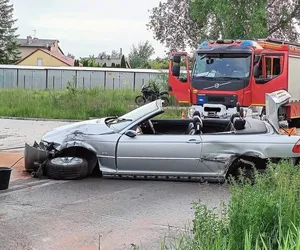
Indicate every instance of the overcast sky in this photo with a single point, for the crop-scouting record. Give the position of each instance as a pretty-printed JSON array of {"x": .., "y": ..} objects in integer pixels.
[{"x": 86, "y": 27}]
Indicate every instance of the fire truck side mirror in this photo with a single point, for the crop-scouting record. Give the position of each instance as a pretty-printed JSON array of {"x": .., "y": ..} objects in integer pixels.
[
  {"x": 256, "y": 71},
  {"x": 256, "y": 59},
  {"x": 176, "y": 70},
  {"x": 177, "y": 58}
]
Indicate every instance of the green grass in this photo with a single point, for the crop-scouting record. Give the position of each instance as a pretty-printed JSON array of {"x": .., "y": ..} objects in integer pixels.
[
  {"x": 69, "y": 104},
  {"x": 264, "y": 216}
]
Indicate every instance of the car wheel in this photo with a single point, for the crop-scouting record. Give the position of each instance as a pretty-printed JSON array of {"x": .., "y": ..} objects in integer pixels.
[
  {"x": 166, "y": 101},
  {"x": 140, "y": 100},
  {"x": 66, "y": 168}
]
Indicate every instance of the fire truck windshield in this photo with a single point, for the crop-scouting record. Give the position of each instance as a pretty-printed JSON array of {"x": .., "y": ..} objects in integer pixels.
[{"x": 232, "y": 68}]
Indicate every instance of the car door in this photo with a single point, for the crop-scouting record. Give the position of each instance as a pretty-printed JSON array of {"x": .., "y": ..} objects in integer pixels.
[
  {"x": 159, "y": 154},
  {"x": 216, "y": 153}
]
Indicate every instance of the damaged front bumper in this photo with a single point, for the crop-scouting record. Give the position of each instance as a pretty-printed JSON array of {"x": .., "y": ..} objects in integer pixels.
[{"x": 35, "y": 155}]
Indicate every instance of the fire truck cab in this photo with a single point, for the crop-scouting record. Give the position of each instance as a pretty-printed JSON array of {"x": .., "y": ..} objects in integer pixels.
[{"x": 227, "y": 72}]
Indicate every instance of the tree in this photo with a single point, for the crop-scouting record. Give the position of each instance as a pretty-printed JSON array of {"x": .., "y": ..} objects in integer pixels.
[
  {"x": 115, "y": 54},
  {"x": 9, "y": 47},
  {"x": 139, "y": 55},
  {"x": 102, "y": 55},
  {"x": 76, "y": 63},
  {"x": 159, "y": 63},
  {"x": 172, "y": 25},
  {"x": 283, "y": 17},
  {"x": 71, "y": 55},
  {"x": 104, "y": 65},
  {"x": 182, "y": 23},
  {"x": 85, "y": 62},
  {"x": 123, "y": 62}
]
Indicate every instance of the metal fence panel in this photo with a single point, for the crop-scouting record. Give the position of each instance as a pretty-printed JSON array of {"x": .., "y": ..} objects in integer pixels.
[
  {"x": 58, "y": 78},
  {"x": 25, "y": 79},
  {"x": 67, "y": 76},
  {"x": 141, "y": 79},
  {"x": 84, "y": 79},
  {"x": 38, "y": 80},
  {"x": 54, "y": 79},
  {"x": 97, "y": 79},
  {"x": 126, "y": 80},
  {"x": 112, "y": 80},
  {"x": 8, "y": 78}
]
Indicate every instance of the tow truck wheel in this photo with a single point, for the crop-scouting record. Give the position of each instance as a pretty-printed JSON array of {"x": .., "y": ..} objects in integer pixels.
[{"x": 66, "y": 168}]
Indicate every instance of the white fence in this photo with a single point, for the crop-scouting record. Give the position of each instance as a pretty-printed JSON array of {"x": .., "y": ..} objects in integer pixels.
[{"x": 38, "y": 77}]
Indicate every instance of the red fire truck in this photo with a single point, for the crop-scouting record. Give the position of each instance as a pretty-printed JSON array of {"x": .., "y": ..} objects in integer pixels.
[{"x": 229, "y": 71}]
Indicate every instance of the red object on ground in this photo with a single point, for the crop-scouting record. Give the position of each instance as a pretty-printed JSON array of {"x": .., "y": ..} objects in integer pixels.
[
  {"x": 183, "y": 116},
  {"x": 8, "y": 159}
]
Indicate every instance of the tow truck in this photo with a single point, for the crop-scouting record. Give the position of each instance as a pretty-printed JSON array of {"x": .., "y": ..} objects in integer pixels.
[{"x": 229, "y": 74}]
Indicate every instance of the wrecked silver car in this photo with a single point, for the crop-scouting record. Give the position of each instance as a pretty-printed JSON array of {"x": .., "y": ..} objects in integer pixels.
[{"x": 140, "y": 144}]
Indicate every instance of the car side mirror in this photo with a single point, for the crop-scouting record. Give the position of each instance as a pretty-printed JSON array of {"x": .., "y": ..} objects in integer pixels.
[
  {"x": 176, "y": 70},
  {"x": 131, "y": 133}
]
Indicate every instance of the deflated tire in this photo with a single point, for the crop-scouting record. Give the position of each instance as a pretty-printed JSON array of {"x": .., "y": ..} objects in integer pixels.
[{"x": 66, "y": 168}]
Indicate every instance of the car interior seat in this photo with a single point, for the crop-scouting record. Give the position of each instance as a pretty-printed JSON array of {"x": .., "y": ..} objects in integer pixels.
[
  {"x": 195, "y": 126},
  {"x": 238, "y": 122}
]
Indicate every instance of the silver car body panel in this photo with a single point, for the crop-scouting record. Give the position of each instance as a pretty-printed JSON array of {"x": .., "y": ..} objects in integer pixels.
[{"x": 205, "y": 155}]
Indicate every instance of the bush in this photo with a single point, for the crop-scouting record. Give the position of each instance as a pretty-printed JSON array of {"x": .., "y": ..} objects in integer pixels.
[{"x": 264, "y": 216}]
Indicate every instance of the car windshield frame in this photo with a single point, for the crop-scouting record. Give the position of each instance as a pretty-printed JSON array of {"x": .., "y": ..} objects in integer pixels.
[
  {"x": 215, "y": 69},
  {"x": 134, "y": 116}
]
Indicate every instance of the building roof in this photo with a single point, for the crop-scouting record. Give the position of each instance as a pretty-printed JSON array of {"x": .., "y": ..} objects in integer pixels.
[
  {"x": 110, "y": 61},
  {"x": 36, "y": 42},
  {"x": 67, "y": 60}
]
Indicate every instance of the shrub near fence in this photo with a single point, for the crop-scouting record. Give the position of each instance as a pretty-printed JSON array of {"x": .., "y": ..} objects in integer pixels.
[{"x": 70, "y": 103}]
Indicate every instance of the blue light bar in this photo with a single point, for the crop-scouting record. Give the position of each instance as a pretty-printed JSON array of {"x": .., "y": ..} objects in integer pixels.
[
  {"x": 249, "y": 43},
  {"x": 205, "y": 43}
]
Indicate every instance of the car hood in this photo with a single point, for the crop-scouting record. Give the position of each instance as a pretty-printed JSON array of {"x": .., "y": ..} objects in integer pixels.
[{"x": 70, "y": 131}]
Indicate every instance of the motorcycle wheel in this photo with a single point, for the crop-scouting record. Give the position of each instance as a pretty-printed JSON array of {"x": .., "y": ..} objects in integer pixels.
[
  {"x": 140, "y": 100},
  {"x": 166, "y": 101},
  {"x": 149, "y": 98}
]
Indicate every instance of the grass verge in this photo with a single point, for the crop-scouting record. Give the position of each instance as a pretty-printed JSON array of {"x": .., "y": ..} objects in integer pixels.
[
  {"x": 264, "y": 216},
  {"x": 69, "y": 104}
]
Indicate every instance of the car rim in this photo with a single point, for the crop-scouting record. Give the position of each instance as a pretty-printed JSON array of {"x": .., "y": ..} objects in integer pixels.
[{"x": 66, "y": 161}]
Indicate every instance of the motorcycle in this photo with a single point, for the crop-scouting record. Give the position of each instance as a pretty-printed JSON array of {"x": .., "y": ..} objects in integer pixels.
[{"x": 149, "y": 95}]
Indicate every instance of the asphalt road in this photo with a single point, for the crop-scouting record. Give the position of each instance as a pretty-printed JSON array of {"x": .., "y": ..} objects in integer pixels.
[
  {"x": 48, "y": 214},
  {"x": 62, "y": 215},
  {"x": 14, "y": 133}
]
